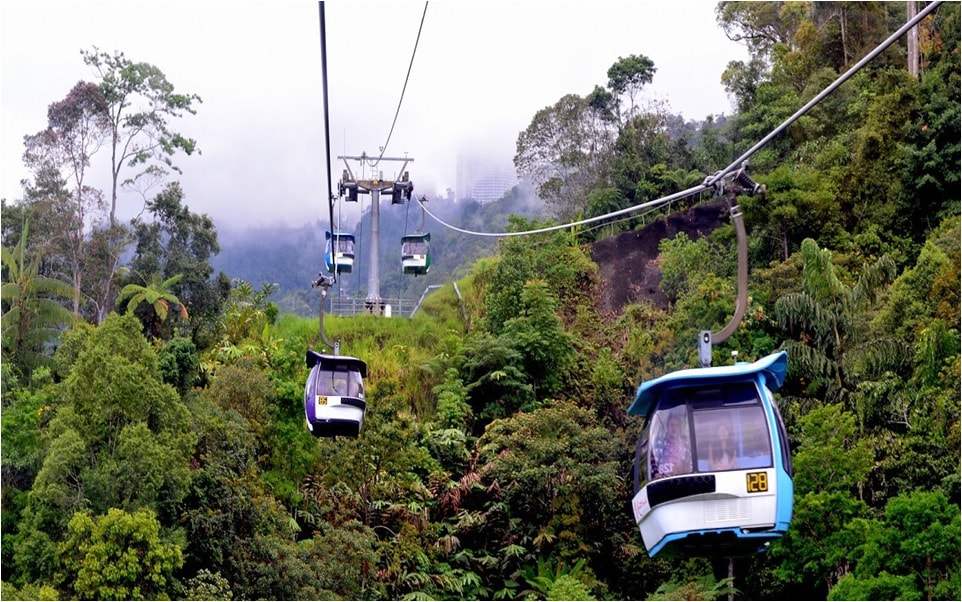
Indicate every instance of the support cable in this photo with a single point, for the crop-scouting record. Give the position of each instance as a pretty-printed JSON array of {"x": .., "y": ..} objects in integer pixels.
[
  {"x": 831, "y": 88},
  {"x": 327, "y": 119},
  {"x": 404, "y": 88},
  {"x": 738, "y": 163}
]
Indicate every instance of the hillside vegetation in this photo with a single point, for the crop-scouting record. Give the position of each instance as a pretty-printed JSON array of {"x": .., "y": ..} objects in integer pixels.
[{"x": 155, "y": 447}]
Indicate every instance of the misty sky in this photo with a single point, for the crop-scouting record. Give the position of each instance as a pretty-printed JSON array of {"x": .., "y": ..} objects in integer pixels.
[{"x": 480, "y": 73}]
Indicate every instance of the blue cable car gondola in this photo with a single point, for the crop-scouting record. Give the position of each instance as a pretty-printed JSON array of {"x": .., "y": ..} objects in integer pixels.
[
  {"x": 713, "y": 472},
  {"x": 713, "y": 468},
  {"x": 334, "y": 395},
  {"x": 339, "y": 254},
  {"x": 416, "y": 254}
]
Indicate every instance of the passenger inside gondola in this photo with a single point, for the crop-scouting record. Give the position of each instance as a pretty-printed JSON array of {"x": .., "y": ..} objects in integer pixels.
[
  {"x": 722, "y": 452},
  {"x": 672, "y": 451}
]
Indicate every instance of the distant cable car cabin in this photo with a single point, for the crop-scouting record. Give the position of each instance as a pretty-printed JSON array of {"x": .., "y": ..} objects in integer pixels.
[
  {"x": 416, "y": 254},
  {"x": 334, "y": 395},
  {"x": 713, "y": 474},
  {"x": 339, "y": 254}
]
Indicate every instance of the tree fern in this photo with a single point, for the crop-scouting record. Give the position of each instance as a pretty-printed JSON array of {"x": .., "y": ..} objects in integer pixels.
[
  {"x": 158, "y": 296},
  {"x": 31, "y": 314},
  {"x": 834, "y": 348}
]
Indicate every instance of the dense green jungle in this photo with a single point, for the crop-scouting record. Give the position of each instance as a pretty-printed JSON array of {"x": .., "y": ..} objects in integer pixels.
[{"x": 153, "y": 429}]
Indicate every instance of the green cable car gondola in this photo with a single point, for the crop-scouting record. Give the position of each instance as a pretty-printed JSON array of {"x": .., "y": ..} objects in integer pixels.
[{"x": 416, "y": 254}]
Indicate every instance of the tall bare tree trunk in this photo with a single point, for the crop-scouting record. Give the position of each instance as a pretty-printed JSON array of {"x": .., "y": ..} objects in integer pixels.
[{"x": 912, "y": 9}]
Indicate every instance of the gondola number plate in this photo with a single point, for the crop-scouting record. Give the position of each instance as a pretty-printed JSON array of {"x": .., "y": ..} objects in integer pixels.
[
  {"x": 757, "y": 482},
  {"x": 322, "y": 400}
]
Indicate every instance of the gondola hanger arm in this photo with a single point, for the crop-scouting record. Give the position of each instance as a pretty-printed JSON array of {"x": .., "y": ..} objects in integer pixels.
[
  {"x": 325, "y": 282},
  {"x": 740, "y": 183}
]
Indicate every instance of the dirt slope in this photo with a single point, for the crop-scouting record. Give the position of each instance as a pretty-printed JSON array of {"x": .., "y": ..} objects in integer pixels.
[{"x": 628, "y": 262}]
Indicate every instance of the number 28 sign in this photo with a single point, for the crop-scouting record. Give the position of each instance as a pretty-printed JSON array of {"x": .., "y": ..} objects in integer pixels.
[{"x": 757, "y": 482}]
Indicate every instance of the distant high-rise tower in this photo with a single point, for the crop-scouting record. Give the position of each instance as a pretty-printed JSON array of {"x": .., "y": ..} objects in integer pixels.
[{"x": 483, "y": 179}]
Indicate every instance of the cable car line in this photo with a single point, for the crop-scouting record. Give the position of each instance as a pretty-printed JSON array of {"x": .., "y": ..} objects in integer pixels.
[
  {"x": 828, "y": 90},
  {"x": 327, "y": 120},
  {"x": 738, "y": 163},
  {"x": 403, "y": 89},
  {"x": 334, "y": 403},
  {"x": 400, "y": 274},
  {"x": 650, "y": 204}
]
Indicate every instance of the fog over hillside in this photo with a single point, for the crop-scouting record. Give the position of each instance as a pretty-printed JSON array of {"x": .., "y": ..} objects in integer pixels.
[{"x": 291, "y": 257}]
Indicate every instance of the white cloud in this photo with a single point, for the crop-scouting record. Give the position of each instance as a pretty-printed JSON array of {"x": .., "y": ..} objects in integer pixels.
[{"x": 481, "y": 72}]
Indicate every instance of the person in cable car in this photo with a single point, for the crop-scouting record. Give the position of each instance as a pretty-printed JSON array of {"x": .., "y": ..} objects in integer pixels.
[
  {"x": 721, "y": 452},
  {"x": 672, "y": 451}
]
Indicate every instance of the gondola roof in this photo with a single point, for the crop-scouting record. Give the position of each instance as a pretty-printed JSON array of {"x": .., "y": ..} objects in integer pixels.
[
  {"x": 314, "y": 357},
  {"x": 775, "y": 367}
]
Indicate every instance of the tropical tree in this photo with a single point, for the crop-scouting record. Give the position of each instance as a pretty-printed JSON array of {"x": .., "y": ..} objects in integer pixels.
[
  {"x": 912, "y": 553},
  {"x": 556, "y": 470},
  {"x": 761, "y": 25},
  {"x": 119, "y": 439},
  {"x": 139, "y": 101},
  {"x": 547, "y": 351},
  {"x": 629, "y": 75},
  {"x": 832, "y": 348},
  {"x": 831, "y": 464},
  {"x": 31, "y": 314},
  {"x": 118, "y": 556},
  {"x": 178, "y": 241},
  {"x": 159, "y": 298},
  {"x": 564, "y": 151},
  {"x": 76, "y": 130}
]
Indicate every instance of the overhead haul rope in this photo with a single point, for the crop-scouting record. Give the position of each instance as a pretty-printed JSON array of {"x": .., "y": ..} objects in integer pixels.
[
  {"x": 327, "y": 123},
  {"x": 406, "y": 77},
  {"x": 735, "y": 165},
  {"x": 323, "y": 281},
  {"x": 400, "y": 273}
]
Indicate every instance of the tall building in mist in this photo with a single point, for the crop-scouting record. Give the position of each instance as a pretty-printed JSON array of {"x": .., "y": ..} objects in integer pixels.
[{"x": 482, "y": 178}]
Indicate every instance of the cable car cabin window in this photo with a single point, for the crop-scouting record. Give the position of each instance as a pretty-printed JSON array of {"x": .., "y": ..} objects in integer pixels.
[
  {"x": 731, "y": 431},
  {"x": 414, "y": 248},
  {"x": 340, "y": 382},
  {"x": 671, "y": 440},
  {"x": 345, "y": 246},
  {"x": 722, "y": 428}
]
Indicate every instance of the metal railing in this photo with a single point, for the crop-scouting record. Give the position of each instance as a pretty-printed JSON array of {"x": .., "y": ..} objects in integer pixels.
[
  {"x": 350, "y": 306},
  {"x": 400, "y": 308}
]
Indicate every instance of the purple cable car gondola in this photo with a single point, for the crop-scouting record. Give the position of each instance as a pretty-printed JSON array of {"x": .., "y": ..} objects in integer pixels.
[{"x": 334, "y": 395}]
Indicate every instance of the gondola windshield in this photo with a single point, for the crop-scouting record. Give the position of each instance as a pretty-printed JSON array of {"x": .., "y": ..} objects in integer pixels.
[
  {"x": 709, "y": 430},
  {"x": 414, "y": 246},
  {"x": 339, "y": 381}
]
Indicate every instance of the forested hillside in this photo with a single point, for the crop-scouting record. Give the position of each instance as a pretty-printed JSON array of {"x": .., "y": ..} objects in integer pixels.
[
  {"x": 290, "y": 258},
  {"x": 153, "y": 428}
]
